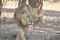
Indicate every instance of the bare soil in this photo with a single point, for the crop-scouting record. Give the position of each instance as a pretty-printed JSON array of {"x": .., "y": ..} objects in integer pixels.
[{"x": 49, "y": 31}]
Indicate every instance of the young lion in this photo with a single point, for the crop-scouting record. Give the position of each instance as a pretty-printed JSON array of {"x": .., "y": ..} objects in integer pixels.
[{"x": 23, "y": 15}]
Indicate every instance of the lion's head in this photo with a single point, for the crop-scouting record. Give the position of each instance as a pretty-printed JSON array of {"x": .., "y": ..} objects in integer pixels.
[{"x": 24, "y": 14}]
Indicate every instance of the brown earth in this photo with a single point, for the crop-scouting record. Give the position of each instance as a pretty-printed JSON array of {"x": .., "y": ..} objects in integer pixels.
[{"x": 9, "y": 29}]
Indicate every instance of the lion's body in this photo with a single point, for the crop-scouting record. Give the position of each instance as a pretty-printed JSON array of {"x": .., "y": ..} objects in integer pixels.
[
  {"x": 24, "y": 17},
  {"x": 37, "y": 8}
]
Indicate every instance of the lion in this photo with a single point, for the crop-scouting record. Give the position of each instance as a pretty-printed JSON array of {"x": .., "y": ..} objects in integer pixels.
[
  {"x": 37, "y": 9},
  {"x": 24, "y": 16}
]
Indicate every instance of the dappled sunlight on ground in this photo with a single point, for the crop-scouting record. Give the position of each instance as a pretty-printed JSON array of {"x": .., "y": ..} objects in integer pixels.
[
  {"x": 51, "y": 6},
  {"x": 51, "y": 14}
]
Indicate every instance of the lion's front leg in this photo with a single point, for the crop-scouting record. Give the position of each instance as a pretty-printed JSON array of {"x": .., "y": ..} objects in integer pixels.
[
  {"x": 18, "y": 37},
  {"x": 26, "y": 32},
  {"x": 21, "y": 35}
]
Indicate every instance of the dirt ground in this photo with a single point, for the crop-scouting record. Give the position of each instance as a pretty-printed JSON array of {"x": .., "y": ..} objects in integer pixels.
[
  {"x": 9, "y": 30},
  {"x": 49, "y": 31}
]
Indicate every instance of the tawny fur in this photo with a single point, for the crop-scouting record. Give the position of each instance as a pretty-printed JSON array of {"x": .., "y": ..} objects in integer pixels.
[{"x": 23, "y": 16}]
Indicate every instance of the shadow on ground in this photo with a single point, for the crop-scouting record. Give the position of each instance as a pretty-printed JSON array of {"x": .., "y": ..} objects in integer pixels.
[{"x": 51, "y": 13}]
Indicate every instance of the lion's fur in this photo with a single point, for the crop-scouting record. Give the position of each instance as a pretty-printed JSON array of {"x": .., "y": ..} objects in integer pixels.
[
  {"x": 24, "y": 17},
  {"x": 26, "y": 14},
  {"x": 37, "y": 9}
]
